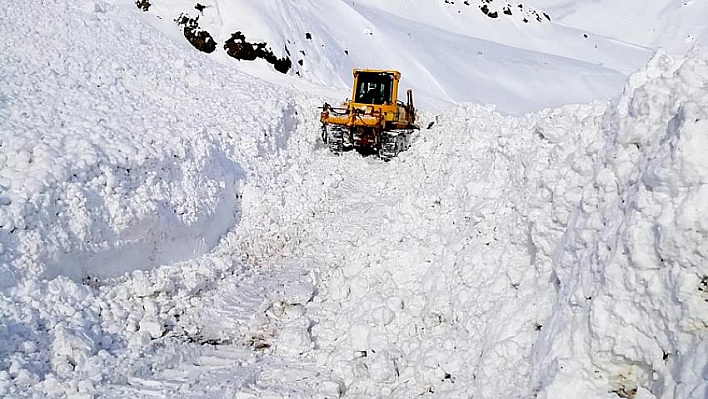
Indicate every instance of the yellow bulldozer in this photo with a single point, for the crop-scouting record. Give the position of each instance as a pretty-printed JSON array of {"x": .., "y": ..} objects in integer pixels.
[{"x": 374, "y": 119}]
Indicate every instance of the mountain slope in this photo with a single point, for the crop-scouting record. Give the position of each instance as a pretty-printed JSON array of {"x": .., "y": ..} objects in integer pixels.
[
  {"x": 445, "y": 53},
  {"x": 675, "y": 26}
]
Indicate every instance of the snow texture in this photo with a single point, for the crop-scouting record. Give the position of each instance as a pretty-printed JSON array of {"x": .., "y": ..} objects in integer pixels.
[
  {"x": 445, "y": 52},
  {"x": 172, "y": 226}
]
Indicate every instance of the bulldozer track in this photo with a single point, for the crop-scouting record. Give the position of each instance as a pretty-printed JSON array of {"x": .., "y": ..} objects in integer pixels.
[
  {"x": 393, "y": 142},
  {"x": 334, "y": 138}
]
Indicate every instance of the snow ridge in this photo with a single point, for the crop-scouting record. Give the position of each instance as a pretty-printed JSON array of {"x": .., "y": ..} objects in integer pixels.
[
  {"x": 630, "y": 264},
  {"x": 112, "y": 156}
]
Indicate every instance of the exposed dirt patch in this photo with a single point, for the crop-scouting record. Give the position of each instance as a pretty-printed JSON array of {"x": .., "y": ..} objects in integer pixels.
[
  {"x": 626, "y": 393},
  {"x": 703, "y": 288}
]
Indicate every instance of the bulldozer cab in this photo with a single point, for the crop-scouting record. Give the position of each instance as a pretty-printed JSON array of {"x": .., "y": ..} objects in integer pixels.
[{"x": 375, "y": 87}]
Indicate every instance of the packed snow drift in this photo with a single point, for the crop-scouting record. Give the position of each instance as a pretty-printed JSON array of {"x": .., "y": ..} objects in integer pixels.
[{"x": 172, "y": 226}]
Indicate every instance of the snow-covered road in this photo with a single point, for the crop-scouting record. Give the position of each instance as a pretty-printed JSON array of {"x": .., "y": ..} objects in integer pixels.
[
  {"x": 401, "y": 278},
  {"x": 416, "y": 276}
]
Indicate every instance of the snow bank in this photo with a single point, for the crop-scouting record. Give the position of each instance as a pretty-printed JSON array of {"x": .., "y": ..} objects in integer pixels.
[
  {"x": 630, "y": 313},
  {"x": 116, "y": 157},
  {"x": 120, "y": 152}
]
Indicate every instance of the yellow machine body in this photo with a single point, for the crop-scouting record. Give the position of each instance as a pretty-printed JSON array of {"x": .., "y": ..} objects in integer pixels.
[{"x": 374, "y": 109}]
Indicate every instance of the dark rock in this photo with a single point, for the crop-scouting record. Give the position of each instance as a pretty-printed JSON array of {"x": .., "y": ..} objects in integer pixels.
[
  {"x": 197, "y": 37},
  {"x": 490, "y": 14},
  {"x": 143, "y": 4},
  {"x": 237, "y": 47},
  {"x": 240, "y": 49}
]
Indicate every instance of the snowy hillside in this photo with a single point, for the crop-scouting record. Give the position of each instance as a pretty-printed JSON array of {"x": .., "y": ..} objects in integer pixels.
[
  {"x": 675, "y": 26},
  {"x": 446, "y": 52},
  {"x": 171, "y": 226}
]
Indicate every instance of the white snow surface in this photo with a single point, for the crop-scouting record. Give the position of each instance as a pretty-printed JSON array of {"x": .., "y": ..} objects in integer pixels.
[
  {"x": 675, "y": 26},
  {"x": 446, "y": 52},
  {"x": 170, "y": 226}
]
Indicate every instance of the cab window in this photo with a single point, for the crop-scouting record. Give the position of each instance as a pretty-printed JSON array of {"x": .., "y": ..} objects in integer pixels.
[{"x": 373, "y": 88}]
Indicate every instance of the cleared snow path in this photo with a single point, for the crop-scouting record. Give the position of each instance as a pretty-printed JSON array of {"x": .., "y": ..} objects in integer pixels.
[
  {"x": 423, "y": 272},
  {"x": 454, "y": 268},
  {"x": 400, "y": 278}
]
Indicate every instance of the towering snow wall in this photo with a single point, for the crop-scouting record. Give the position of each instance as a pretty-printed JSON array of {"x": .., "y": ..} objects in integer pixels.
[
  {"x": 628, "y": 254},
  {"x": 115, "y": 156}
]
